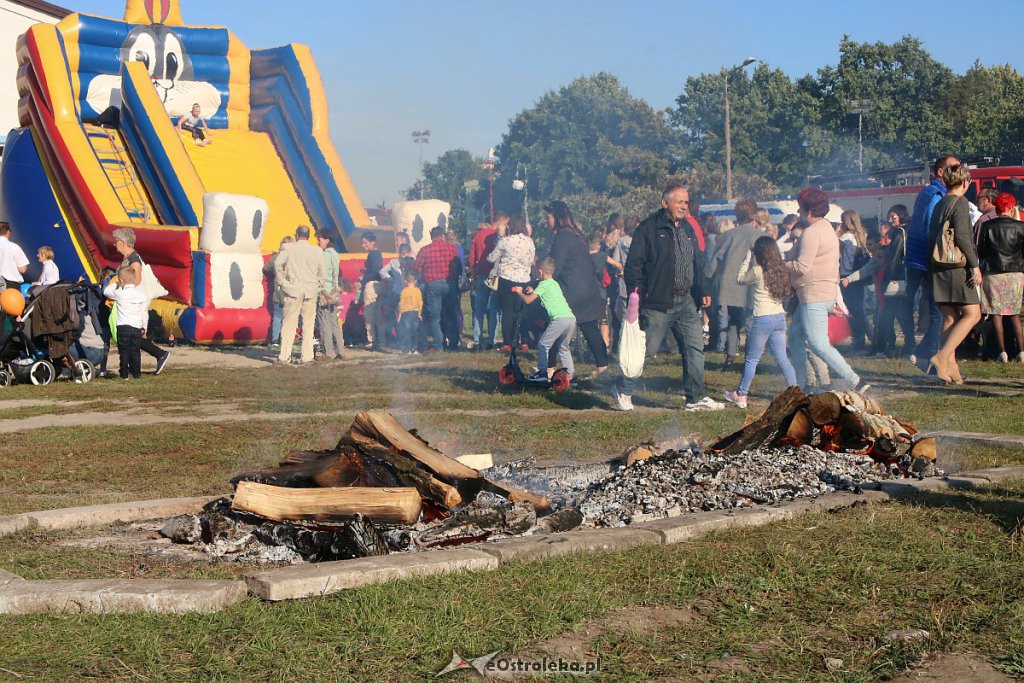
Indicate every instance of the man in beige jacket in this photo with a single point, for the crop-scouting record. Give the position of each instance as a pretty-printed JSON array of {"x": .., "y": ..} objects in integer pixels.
[{"x": 300, "y": 275}]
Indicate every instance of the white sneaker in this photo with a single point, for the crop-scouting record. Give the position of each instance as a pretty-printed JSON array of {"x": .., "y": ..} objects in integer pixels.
[
  {"x": 623, "y": 402},
  {"x": 705, "y": 404},
  {"x": 1020, "y": 357},
  {"x": 912, "y": 358},
  {"x": 1003, "y": 358},
  {"x": 735, "y": 399}
]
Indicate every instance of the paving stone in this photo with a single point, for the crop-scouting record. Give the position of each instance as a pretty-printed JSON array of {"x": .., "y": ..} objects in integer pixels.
[
  {"x": 569, "y": 542},
  {"x": 1005, "y": 440},
  {"x": 112, "y": 513},
  {"x": 12, "y": 524},
  {"x": 998, "y": 474},
  {"x": 120, "y": 596},
  {"x": 329, "y": 577}
]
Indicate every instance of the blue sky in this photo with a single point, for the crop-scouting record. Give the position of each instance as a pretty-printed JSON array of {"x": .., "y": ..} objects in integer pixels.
[{"x": 463, "y": 68}]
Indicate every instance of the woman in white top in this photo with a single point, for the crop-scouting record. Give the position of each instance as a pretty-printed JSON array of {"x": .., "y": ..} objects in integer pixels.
[
  {"x": 513, "y": 258},
  {"x": 771, "y": 288}
]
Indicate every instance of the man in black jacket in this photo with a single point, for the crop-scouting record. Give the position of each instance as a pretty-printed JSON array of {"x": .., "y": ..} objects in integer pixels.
[{"x": 666, "y": 266}]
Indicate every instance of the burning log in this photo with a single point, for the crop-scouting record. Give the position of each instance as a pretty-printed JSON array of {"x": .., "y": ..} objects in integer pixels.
[
  {"x": 489, "y": 514},
  {"x": 393, "y": 505},
  {"x": 827, "y": 407},
  {"x": 768, "y": 428},
  {"x": 859, "y": 431},
  {"x": 925, "y": 448},
  {"x": 357, "y": 537}
]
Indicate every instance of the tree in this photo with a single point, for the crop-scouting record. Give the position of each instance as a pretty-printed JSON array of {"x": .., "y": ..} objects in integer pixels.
[
  {"x": 775, "y": 131},
  {"x": 907, "y": 88},
  {"x": 446, "y": 179},
  {"x": 590, "y": 136},
  {"x": 984, "y": 108}
]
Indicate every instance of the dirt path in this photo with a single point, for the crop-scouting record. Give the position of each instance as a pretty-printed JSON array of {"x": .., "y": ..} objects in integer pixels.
[{"x": 956, "y": 668}]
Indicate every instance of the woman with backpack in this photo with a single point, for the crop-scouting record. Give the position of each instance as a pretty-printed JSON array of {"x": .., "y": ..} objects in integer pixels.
[{"x": 956, "y": 277}]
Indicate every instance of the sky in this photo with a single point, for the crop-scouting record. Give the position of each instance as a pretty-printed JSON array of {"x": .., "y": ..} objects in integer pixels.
[{"x": 464, "y": 68}]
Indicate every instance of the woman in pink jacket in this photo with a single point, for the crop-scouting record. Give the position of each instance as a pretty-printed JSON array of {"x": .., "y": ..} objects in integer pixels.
[{"x": 814, "y": 266}]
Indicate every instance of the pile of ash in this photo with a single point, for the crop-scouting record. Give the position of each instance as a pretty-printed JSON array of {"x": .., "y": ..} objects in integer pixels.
[{"x": 679, "y": 482}]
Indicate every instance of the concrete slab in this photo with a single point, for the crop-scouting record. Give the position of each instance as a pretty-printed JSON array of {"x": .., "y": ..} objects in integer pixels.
[
  {"x": 329, "y": 577},
  {"x": 997, "y": 474},
  {"x": 8, "y": 577},
  {"x": 12, "y": 524},
  {"x": 112, "y": 513},
  {"x": 570, "y": 542},
  {"x": 1003, "y": 440},
  {"x": 120, "y": 596}
]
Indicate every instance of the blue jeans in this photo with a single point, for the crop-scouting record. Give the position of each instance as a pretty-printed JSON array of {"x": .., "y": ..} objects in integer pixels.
[
  {"x": 929, "y": 345},
  {"x": 684, "y": 322},
  {"x": 434, "y": 294},
  {"x": 810, "y": 328},
  {"x": 770, "y": 329},
  {"x": 408, "y": 327},
  {"x": 485, "y": 303},
  {"x": 275, "y": 323}
]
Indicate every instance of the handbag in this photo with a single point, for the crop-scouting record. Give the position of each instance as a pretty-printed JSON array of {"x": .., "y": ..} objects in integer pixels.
[
  {"x": 945, "y": 253},
  {"x": 899, "y": 287},
  {"x": 329, "y": 299},
  {"x": 491, "y": 282},
  {"x": 150, "y": 284}
]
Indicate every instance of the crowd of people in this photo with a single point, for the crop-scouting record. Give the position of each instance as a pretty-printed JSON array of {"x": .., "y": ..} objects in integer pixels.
[
  {"x": 703, "y": 283},
  {"x": 735, "y": 287}
]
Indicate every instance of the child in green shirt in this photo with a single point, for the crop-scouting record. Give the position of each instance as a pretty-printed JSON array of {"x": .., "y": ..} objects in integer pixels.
[{"x": 562, "y": 323}]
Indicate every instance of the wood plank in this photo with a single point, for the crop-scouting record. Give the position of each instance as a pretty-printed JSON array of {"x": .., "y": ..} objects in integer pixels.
[
  {"x": 389, "y": 431},
  {"x": 393, "y": 505}
]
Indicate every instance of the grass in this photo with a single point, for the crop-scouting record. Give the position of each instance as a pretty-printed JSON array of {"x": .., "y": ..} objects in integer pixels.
[{"x": 778, "y": 599}]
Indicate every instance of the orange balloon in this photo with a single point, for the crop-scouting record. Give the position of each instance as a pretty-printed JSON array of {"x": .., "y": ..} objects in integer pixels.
[{"x": 12, "y": 302}]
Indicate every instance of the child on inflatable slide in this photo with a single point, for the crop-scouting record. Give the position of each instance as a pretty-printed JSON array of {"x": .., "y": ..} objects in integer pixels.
[{"x": 192, "y": 123}]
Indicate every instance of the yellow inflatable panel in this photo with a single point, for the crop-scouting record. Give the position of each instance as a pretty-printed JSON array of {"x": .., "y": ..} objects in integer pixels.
[{"x": 245, "y": 162}]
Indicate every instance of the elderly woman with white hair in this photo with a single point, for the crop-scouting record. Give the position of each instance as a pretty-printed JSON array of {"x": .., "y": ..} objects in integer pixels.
[{"x": 124, "y": 242}]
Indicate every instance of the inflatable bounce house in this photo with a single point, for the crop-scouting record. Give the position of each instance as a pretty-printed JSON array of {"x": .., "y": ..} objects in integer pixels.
[{"x": 99, "y": 149}]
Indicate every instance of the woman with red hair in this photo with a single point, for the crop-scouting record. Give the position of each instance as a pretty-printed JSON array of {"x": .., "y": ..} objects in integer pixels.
[{"x": 1001, "y": 252}]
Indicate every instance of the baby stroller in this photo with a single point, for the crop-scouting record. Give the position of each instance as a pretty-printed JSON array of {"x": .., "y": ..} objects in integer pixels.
[{"x": 39, "y": 356}]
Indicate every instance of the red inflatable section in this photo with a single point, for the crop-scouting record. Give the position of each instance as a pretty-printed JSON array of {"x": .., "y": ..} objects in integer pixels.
[{"x": 225, "y": 325}]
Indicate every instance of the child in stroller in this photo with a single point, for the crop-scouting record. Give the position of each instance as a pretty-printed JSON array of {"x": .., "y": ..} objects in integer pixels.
[{"x": 37, "y": 349}]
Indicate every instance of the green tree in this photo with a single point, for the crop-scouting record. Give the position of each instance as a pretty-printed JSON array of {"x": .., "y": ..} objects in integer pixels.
[
  {"x": 985, "y": 108},
  {"x": 446, "y": 179},
  {"x": 907, "y": 88},
  {"x": 590, "y": 136},
  {"x": 774, "y": 124}
]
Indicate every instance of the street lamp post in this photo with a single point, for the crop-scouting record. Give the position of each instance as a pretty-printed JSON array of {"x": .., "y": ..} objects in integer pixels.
[
  {"x": 421, "y": 137},
  {"x": 728, "y": 127},
  {"x": 489, "y": 165},
  {"x": 860, "y": 107}
]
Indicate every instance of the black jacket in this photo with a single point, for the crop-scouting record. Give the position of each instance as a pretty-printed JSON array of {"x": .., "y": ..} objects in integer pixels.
[
  {"x": 651, "y": 264},
  {"x": 895, "y": 267},
  {"x": 574, "y": 271},
  {"x": 1001, "y": 245}
]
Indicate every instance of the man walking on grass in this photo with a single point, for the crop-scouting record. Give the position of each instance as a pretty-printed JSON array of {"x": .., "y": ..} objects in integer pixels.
[{"x": 665, "y": 264}]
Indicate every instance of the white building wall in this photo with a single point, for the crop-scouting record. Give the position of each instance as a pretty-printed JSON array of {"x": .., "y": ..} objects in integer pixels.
[{"x": 15, "y": 19}]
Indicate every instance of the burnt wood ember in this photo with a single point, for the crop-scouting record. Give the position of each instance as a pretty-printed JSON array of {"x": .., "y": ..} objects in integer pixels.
[
  {"x": 827, "y": 407},
  {"x": 183, "y": 529},
  {"x": 565, "y": 519},
  {"x": 356, "y": 538},
  {"x": 488, "y": 515}
]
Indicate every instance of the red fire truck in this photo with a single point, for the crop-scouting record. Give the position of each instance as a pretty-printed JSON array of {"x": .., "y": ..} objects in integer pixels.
[{"x": 872, "y": 194}]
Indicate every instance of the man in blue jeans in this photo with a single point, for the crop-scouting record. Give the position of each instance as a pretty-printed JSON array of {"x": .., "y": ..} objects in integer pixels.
[
  {"x": 666, "y": 266},
  {"x": 437, "y": 263},
  {"x": 918, "y": 261}
]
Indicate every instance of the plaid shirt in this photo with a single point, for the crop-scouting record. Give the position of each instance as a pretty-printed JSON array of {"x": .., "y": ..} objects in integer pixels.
[{"x": 435, "y": 261}]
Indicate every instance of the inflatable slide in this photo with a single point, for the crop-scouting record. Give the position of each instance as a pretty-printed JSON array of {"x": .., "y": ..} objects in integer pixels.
[{"x": 100, "y": 149}]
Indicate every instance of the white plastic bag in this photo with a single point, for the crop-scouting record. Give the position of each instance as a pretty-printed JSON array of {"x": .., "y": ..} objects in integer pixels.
[
  {"x": 150, "y": 284},
  {"x": 633, "y": 340}
]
